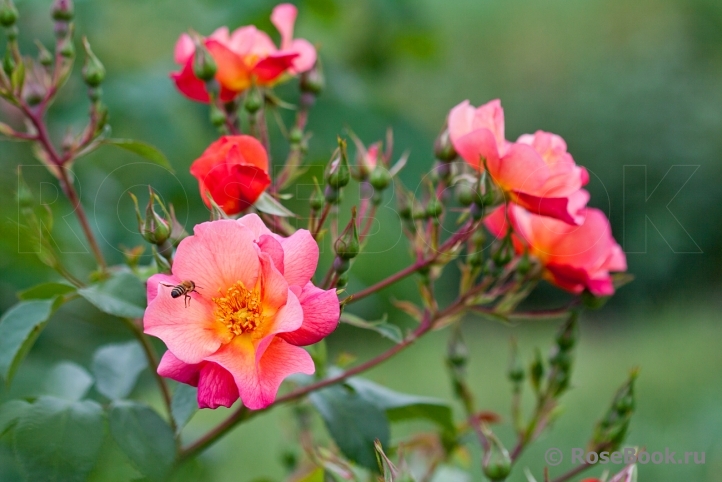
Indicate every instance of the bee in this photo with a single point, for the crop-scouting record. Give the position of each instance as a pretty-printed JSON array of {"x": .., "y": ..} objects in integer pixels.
[{"x": 185, "y": 288}]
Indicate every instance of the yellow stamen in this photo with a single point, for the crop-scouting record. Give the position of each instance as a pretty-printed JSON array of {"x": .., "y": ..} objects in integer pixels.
[{"x": 239, "y": 309}]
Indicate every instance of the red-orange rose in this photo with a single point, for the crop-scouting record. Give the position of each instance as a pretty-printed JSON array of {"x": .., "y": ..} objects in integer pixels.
[{"x": 234, "y": 171}]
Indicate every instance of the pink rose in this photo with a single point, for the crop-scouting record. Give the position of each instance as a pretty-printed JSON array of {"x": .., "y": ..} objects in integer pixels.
[
  {"x": 536, "y": 172},
  {"x": 574, "y": 257},
  {"x": 239, "y": 336}
]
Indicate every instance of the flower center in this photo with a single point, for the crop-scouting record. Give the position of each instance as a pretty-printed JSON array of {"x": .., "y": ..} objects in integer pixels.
[{"x": 239, "y": 309}]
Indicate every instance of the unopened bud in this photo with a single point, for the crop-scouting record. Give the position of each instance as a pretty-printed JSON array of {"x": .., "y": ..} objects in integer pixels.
[
  {"x": 516, "y": 370},
  {"x": 536, "y": 371},
  {"x": 317, "y": 200},
  {"x": 44, "y": 56},
  {"x": 154, "y": 228},
  {"x": 457, "y": 352},
  {"x": 216, "y": 115},
  {"x": 443, "y": 148},
  {"x": 380, "y": 178},
  {"x": 62, "y": 10},
  {"x": 66, "y": 47},
  {"x": 497, "y": 462},
  {"x": 465, "y": 193},
  {"x": 342, "y": 280},
  {"x": 347, "y": 245},
  {"x": 295, "y": 136},
  {"x": 313, "y": 81},
  {"x": 341, "y": 265},
  {"x": 8, "y": 13},
  {"x": 434, "y": 208},
  {"x": 332, "y": 195},
  {"x": 338, "y": 173},
  {"x": 93, "y": 70},
  {"x": 254, "y": 101},
  {"x": 8, "y": 63},
  {"x": 204, "y": 66},
  {"x": 505, "y": 253},
  {"x": 567, "y": 336}
]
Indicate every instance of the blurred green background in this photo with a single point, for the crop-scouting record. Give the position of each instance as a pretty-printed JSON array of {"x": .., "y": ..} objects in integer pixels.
[{"x": 635, "y": 84}]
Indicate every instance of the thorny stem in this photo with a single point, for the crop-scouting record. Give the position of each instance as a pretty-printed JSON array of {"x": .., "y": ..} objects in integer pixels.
[{"x": 244, "y": 413}]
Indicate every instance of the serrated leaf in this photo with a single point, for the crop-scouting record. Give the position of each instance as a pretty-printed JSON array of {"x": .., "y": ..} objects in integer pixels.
[
  {"x": 10, "y": 413},
  {"x": 183, "y": 405},
  {"x": 143, "y": 149},
  {"x": 59, "y": 440},
  {"x": 116, "y": 368},
  {"x": 388, "y": 330},
  {"x": 45, "y": 291},
  {"x": 145, "y": 438},
  {"x": 269, "y": 205},
  {"x": 402, "y": 406},
  {"x": 68, "y": 380},
  {"x": 121, "y": 295},
  {"x": 20, "y": 326},
  {"x": 353, "y": 422}
]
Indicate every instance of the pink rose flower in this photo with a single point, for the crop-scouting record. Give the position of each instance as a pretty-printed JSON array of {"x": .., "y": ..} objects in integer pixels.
[
  {"x": 240, "y": 334},
  {"x": 536, "y": 172},
  {"x": 245, "y": 56},
  {"x": 574, "y": 257}
]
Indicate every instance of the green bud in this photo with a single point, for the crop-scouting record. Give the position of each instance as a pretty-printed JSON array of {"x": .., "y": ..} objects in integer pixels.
[
  {"x": 216, "y": 115},
  {"x": 342, "y": 280},
  {"x": 516, "y": 370},
  {"x": 204, "y": 66},
  {"x": 332, "y": 195},
  {"x": 567, "y": 336},
  {"x": 536, "y": 371},
  {"x": 44, "y": 56},
  {"x": 93, "y": 70},
  {"x": 497, "y": 462},
  {"x": 434, "y": 208},
  {"x": 338, "y": 173},
  {"x": 380, "y": 177},
  {"x": 347, "y": 245},
  {"x": 611, "y": 431},
  {"x": 66, "y": 48},
  {"x": 317, "y": 199},
  {"x": 477, "y": 211},
  {"x": 465, "y": 193},
  {"x": 313, "y": 81},
  {"x": 8, "y": 63},
  {"x": 443, "y": 148},
  {"x": 154, "y": 228},
  {"x": 254, "y": 101},
  {"x": 62, "y": 10},
  {"x": 457, "y": 352},
  {"x": 295, "y": 136},
  {"x": 475, "y": 259},
  {"x": 341, "y": 265},
  {"x": 95, "y": 93},
  {"x": 8, "y": 13},
  {"x": 505, "y": 253},
  {"x": 377, "y": 198}
]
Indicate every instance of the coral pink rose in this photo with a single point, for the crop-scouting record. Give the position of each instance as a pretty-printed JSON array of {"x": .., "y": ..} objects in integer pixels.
[
  {"x": 536, "y": 172},
  {"x": 245, "y": 57},
  {"x": 240, "y": 334},
  {"x": 574, "y": 257},
  {"x": 234, "y": 171}
]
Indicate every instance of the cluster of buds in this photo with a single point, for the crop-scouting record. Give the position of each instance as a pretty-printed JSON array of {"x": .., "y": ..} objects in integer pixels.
[
  {"x": 164, "y": 232},
  {"x": 347, "y": 247},
  {"x": 612, "y": 429},
  {"x": 560, "y": 358},
  {"x": 63, "y": 12}
]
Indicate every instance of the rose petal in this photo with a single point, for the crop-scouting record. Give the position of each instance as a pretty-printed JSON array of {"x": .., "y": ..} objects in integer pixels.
[
  {"x": 321, "y": 313},
  {"x": 216, "y": 387},
  {"x": 300, "y": 257},
  {"x": 171, "y": 367},
  {"x": 153, "y": 281}
]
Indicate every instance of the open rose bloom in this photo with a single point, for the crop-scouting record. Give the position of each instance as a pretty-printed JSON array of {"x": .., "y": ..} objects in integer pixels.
[
  {"x": 575, "y": 258},
  {"x": 245, "y": 57},
  {"x": 240, "y": 334},
  {"x": 234, "y": 171},
  {"x": 536, "y": 172}
]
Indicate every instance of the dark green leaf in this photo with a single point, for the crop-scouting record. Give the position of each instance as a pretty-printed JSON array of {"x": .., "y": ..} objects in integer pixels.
[
  {"x": 59, "y": 440},
  {"x": 68, "y": 380},
  {"x": 392, "y": 332},
  {"x": 267, "y": 204},
  {"x": 10, "y": 412},
  {"x": 142, "y": 149},
  {"x": 116, "y": 368},
  {"x": 19, "y": 328},
  {"x": 401, "y": 406},
  {"x": 121, "y": 295},
  {"x": 45, "y": 291},
  {"x": 353, "y": 422},
  {"x": 145, "y": 438},
  {"x": 184, "y": 404}
]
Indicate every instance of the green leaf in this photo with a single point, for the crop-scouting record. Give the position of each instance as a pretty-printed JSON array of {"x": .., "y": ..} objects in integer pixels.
[
  {"x": 19, "y": 328},
  {"x": 184, "y": 404},
  {"x": 59, "y": 440},
  {"x": 385, "y": 329},
  {"x": 68, "y": 380},
  {"x": 353, "y": 422},
  {"x": 116, "y": 368},
  {"x": 144, "y": 437},
  {"x": 10, "y": 412},
  {"x": 121, "y": 295},
  {"x": 402, "y": 406},
  {"x": 17, "y": 79},
  {"x": 143, "y": 149},
  {"x": 45, "y": 291},
  {"x": 269, "y": 205}
]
